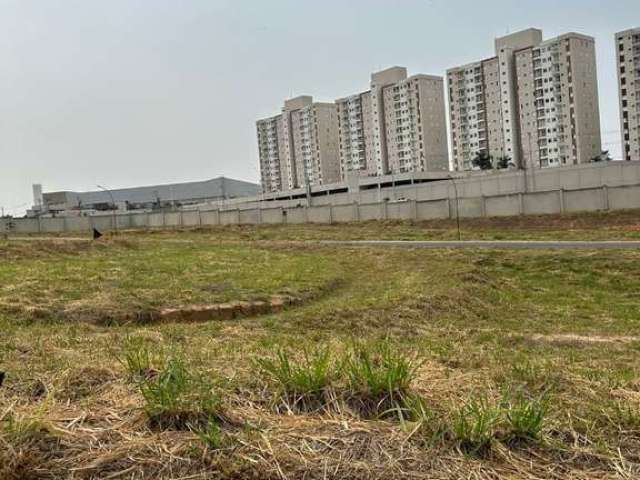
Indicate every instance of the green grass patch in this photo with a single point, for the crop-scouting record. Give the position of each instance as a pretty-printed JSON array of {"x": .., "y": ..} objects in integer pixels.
[
  {"x": 304, "y": 383},
  {"x": 178, "y": 399},
  {"x": 379, "y": 378}
]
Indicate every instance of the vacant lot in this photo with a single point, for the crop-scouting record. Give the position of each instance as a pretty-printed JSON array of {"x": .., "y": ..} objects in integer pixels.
[{"x": 396, "y": 364}]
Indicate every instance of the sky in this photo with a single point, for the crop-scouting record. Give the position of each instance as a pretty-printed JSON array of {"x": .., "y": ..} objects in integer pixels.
[{"x": 138, "y": 92}]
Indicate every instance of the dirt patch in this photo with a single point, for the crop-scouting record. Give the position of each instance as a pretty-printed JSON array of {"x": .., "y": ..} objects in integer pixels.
[
  {"x": 86, "y": 381},
  {"x": 573, "y": 339}
]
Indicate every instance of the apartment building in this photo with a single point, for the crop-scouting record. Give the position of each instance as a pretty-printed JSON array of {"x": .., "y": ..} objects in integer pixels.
[
  {"x": 270, "y": 138},
  {"x": 558, "y": 98},
  {"x": 628, "y": 60},
  {"x": 397, "y": 126},
  {"x": 534, "y": 104},
  {"x": 355, "y": 132},
  {"x": 299, "y": 147}
]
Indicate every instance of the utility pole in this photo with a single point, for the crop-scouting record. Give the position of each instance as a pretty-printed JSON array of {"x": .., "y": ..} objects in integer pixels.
[{"x": 113, "y": 202}]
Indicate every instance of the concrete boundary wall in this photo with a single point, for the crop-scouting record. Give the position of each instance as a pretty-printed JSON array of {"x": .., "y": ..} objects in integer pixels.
[{"x": 531, "y": 203}]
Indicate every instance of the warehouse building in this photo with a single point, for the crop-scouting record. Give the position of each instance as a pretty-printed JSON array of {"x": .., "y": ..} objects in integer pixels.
[{"x": 153, "y": 197}]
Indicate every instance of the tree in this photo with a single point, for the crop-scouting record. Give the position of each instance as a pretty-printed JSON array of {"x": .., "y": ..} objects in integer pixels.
[
  {"x": 603, "y": 157},
  {"x": 483, "y": 161},
  {"x": 504, "y": 162}
]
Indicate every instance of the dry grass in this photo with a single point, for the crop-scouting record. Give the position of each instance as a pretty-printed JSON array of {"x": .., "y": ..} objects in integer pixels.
[
  {"x": 618, "y": 225},
  {"x": 558, "y": 326}
]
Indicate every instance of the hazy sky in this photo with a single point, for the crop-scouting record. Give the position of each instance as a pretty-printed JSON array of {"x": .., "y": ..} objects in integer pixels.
[{"x": 126, "y": 93}]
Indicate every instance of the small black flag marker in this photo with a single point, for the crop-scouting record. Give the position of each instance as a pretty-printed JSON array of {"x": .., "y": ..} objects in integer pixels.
[
  {"x": 96, "y": 234},
  {"x": 2, "y": 377}
]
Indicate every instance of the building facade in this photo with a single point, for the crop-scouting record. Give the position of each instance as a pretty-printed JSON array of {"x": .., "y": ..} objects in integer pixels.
[
  {"x": 270, "y": 137},
  {"x": 398, "y": 126},
  {"x": 145, "y": 198},
  {"x": 535, "y": 104},
  {"x": 558, "y": 98},
  {"x": 299, "y": 147},
  {"x": 628, "y": 61},
  {"x": 355, "y": 130}
]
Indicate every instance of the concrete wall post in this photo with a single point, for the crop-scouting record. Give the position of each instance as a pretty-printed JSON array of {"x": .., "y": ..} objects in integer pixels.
[
  {"x": 561, "y": 200},
  {"x": 521, "y": 203},
  {"x": 483, "y": 206},
  {"x": 356, "y": 212},
  {"x": 449, "y": 207},
  {"x": 605, "y": 197},
  {"x": 199, "y": 218}
]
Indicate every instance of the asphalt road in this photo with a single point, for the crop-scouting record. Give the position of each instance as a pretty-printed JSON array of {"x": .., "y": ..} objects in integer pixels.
[{"x": 490, "y": 244}]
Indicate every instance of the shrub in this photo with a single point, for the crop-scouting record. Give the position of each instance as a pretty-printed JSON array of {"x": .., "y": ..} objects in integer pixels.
[
  {"x": 379, "y": 378},
  {"x": 474, "y": 426},
  {"x": 305, "y": 383}
]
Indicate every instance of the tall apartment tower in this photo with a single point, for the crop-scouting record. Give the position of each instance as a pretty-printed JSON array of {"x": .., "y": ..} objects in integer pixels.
[
  {"x": 628, "y": 59},
  {"x": 398, "y": 126},
  {"x": 299, "y": 147},
  {"x": 270, "y": 142},
  {"x": 535, "y": 102},
  {"x": 355, "y": 131},
  {"x": 558, "y": 97}
]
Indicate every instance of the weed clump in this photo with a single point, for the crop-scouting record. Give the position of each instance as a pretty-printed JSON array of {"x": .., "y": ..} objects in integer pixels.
[
  {"x": 27, "y": 442},
  {"x": 304, "y": 383},
  {"x": 179, "y": 400},
  {"x": 479, "y": 423},
  {"x": 379, "y": 378},
  {"x": 474, "y": 427},
  {"x": 140, "y": 360},
  {"x": 525, "y": 419}
]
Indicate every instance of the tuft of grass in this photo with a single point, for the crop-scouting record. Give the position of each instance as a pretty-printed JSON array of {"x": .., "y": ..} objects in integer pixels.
[
  {"x": 26, "y": 441},
  {"x": 211, "y": 435},
  {"x": 379, "y": 378},
  {"x": 140, "y": 360},
  {"x": 525, "y": 419},
  {"x": 178, "y": 399},
  {"x": 418, "y": 418},
  {"x": 474, "y": 427},
  {"x": 624, "y": 416},
  {"x": 22, "y": 429},
  {"x": 304, "y": 383}
]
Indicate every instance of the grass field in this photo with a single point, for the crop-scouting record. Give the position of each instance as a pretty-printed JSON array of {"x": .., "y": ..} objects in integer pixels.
[{"x": 399, "y": 364}]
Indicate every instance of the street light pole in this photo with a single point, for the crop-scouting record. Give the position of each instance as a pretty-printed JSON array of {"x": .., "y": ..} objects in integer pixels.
[
  {"x": 113, "y": 202},
  {"x": 455, "y": 189}
]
